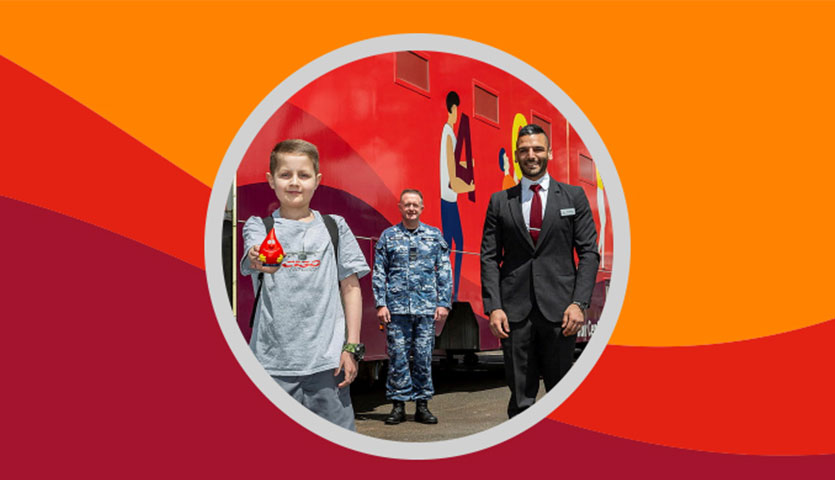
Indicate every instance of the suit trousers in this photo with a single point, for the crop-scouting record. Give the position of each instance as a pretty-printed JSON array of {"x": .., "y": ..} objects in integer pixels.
[{"x": 535, "y": 348}]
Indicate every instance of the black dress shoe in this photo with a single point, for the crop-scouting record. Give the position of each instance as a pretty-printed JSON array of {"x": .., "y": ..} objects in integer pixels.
[
  {"x": 423, "y": 415},
  {"x": 398, "y": 413}
]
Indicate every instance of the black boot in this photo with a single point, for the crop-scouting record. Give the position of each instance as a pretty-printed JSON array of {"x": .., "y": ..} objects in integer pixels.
[
  {"x": 398, "y": 413},
  {"x": 423, "y": 415}
]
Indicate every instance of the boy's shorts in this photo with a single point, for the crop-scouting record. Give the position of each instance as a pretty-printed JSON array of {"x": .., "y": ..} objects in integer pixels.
[{"x": 319, "y": 393}]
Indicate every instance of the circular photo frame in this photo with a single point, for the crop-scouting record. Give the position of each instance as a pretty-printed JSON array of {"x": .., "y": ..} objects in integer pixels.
[{"x": 423, "y": 46}]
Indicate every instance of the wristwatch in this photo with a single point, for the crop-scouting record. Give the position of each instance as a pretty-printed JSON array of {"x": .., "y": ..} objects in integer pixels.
[
  {"x": 582, "y": 305},
  {"x": 355, "y": 349}
]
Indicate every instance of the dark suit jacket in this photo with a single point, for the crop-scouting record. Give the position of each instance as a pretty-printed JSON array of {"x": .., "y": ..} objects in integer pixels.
[{"x": 511, "y": 266}]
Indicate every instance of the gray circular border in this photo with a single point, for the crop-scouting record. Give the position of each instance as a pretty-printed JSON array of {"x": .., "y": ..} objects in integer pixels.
[{"x": 297, "y": 81}]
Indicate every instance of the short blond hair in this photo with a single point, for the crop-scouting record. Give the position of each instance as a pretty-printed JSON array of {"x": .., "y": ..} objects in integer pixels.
[{"x": 297, "y": 146}]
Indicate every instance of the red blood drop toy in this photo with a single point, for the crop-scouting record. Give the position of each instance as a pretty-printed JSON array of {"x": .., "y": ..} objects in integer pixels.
[{"x": 271, "y": 254}]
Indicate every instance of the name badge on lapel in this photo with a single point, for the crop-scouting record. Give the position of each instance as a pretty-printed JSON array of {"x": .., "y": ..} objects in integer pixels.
[{"x": 567, "y": 212}]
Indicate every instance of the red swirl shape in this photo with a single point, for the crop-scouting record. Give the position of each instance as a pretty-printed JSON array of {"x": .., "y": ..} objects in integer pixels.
[
  {"x": 766, "y": 396},
  {"x": 60, "y": 155}
]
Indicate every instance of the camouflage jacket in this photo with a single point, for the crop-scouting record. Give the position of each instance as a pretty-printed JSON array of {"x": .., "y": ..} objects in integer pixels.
[{"x": 411, "y": 270}]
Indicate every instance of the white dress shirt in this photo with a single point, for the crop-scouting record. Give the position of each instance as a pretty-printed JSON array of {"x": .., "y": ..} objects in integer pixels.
[{"x": 527, "y": 196}]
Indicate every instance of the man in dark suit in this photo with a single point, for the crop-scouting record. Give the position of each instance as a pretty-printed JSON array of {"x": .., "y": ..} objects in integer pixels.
[{"x": 534, "y": 294}]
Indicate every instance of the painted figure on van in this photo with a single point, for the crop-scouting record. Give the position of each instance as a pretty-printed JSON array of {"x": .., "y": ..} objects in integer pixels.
[{"x": 452, "y": 185}]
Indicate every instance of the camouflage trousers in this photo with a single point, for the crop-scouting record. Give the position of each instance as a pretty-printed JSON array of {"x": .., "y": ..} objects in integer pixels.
[{"x": 410, "y": 336}]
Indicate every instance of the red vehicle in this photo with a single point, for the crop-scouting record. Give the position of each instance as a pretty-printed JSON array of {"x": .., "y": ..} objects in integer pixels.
[{"x": 378, "y": 124}]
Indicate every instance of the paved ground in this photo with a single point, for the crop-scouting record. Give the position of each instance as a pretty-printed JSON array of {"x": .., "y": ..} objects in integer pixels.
[{"x": 467, "y": 400}]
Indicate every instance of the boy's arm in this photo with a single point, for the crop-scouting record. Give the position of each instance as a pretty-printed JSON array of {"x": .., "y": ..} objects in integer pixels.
[
  {"x": 352, "y": 303},
  {"x": 351, "y": 267},
  {"x": 254, "y": 233}
]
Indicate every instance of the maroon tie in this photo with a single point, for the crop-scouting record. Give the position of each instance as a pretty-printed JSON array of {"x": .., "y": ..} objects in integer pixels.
[{"x": 536, "y": 213}]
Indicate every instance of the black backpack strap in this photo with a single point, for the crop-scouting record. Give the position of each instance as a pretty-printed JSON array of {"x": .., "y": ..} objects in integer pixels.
[
  {"x": 333, "y": 230},
  {"x": 269, "y": 222}
]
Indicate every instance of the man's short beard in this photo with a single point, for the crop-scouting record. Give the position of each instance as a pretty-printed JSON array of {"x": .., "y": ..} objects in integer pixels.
[{"x": 544, "y": 167}]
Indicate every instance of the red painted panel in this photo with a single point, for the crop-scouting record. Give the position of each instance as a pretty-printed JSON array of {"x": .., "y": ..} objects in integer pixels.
[{"x": 377, "y": 137}]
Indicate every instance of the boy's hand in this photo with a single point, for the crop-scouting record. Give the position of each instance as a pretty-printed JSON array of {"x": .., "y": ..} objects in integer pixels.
[
  {"x": 257, "y": 264},
  {"x": 349, "y": 363}
]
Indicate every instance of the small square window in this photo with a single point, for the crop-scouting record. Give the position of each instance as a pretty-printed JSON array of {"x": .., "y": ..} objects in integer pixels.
[
  {"x": 411, "y": 70},
  {"x": 543, "y": 121},
  {"x": 485, "y": 104},
  {"x": 587, "y": 172}
]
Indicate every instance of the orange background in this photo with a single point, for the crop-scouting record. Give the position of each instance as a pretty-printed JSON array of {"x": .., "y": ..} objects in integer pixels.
[{"x": 717, "y": 116}]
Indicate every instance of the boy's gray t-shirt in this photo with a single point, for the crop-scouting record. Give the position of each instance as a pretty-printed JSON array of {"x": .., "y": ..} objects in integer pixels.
[{"x": 299, "y": 327}]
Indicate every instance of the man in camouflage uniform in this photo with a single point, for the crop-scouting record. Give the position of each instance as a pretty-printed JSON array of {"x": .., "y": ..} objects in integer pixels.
[{"x": 412, "y": 286}]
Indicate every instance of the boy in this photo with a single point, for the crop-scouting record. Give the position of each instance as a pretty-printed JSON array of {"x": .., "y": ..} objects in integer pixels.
[{"x": 299, "y": 334}]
